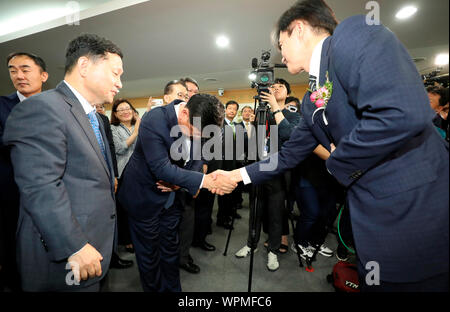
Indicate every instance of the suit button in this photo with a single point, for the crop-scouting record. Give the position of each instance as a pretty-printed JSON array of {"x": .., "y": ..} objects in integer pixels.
[{"x": 113, "y": 216}]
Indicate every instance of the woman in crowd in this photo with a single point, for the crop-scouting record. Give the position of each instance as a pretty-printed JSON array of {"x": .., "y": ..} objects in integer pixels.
[{"x": 125, "y": 123}]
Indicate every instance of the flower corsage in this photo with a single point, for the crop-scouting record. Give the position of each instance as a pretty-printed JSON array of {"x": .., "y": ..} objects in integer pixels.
[{"x": 321, "y": 97}]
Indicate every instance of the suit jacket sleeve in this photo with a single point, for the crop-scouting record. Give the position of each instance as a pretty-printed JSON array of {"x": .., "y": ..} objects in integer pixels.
[
  {"x": 153, "y": 136},
  {"x": 381, "y": 79},
  {"x": 39, "y": 149},
  {"x": 298, "y": 147}
]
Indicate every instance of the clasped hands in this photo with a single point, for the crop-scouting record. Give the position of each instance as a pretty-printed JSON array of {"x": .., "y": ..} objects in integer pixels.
[
  {"x": 222, "y": 182},
  {"x": 218, "y": 182}
]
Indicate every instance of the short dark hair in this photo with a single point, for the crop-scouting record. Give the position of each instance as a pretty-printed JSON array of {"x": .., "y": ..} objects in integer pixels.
[
  {"x": 283, "y": 82},
  {"x": 114, "y": 120},
  {"x": 315, "y": 12},
  {"x": 36, "y": 59},
  {"x": 232, "y": 103},
  {"x": 89, "y": 45},
  {"x": 441, "y": 91},
  {"x": 208, "y": 108},
  {"x": 246, "y": 106},
  {"x": 191, "y": 80},
  {"x": 168, "y": 88}
]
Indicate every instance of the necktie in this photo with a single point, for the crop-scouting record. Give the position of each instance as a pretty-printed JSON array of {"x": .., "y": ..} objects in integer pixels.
[
  {"x": 248, "y": 127},
  {"x": 95, "y": 126},
  {"x": 312, "y": 83},
  {"x": 234, "y": 129}
]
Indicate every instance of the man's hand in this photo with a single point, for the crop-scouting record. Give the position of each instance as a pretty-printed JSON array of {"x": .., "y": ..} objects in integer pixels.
[
  {"x": 332, "y": 147},
  {"x": 86, "y": 263},
  {"x": 219, "y": 182},
  {"x": 166, "y": 186}
]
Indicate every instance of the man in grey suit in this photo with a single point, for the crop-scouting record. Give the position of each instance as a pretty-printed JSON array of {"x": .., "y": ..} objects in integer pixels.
[{"x": 65, "y": 234}]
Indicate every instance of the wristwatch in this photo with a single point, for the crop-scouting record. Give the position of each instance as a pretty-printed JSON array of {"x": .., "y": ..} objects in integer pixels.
[{"x": 277, "y": 111}]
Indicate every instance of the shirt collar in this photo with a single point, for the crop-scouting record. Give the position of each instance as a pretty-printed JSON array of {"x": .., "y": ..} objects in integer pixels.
[
  {"x": 87, "y": 107},
  {"x": 314, "y": 65},
  {"x": 21, "y": 96}
]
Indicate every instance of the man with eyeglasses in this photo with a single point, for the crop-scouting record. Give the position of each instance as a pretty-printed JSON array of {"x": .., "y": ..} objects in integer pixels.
[{"x": 175, "y": 90}]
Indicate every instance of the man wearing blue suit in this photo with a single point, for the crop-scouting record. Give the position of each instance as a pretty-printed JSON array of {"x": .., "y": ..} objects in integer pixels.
[
  {"x": 377, "y": 124},
  {"x": 166, "y": 156},
  {"x": 28, "y": 73},
  {"x": 65, "y": 234}
]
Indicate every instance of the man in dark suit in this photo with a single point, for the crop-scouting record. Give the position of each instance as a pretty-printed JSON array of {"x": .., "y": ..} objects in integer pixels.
[
  {"x": 28, "y": 74},
  {"x": 231, "y": 132},
  {"x": 166, "y": 159},
  {"x": 376, "y": 122},
  {"x": 62, "y": 168}
]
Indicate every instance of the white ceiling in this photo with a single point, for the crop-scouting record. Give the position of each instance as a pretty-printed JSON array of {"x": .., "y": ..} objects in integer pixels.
[{"x": 167, "y": 39}]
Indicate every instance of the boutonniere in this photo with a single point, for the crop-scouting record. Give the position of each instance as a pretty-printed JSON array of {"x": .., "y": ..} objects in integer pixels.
[{"x": 321, "y": 97}]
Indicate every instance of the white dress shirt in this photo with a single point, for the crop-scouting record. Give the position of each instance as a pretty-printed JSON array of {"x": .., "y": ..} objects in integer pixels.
[{"x": 20, "y": 96}]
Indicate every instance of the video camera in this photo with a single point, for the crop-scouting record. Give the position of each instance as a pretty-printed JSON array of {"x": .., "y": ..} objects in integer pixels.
[{"x": 262, "y": 75}]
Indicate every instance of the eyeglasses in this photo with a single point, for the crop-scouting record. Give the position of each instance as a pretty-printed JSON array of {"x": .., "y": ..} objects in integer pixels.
[
  {"x": 183, "y": 96},
  {"x": 123, "y": 110}
]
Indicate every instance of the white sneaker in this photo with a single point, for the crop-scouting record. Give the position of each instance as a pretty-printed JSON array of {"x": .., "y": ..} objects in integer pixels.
[
  {"x": 272, "y": 262},
  {"x": 324, "y": 251},
  {"x": 306, "y": 251},
  {"x": 244, "y": 252}
]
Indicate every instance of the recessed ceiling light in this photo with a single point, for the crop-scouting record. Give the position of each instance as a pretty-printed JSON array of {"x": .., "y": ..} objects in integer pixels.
[
  {"x": 406, "y": 12},
  {"x": 222, "y": 41},
  {"x": 441, "y": 59}
]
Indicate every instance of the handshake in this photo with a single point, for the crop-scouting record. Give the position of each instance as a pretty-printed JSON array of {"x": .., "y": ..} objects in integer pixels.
[
  {"x": 222, "y": 182},
  {"x": 218, "y": 182}
]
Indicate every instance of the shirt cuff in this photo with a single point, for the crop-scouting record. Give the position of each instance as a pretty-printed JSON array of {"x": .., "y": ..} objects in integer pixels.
[
  {"x": 245, "y": 178},
  {"x": 201, "y": 184}
]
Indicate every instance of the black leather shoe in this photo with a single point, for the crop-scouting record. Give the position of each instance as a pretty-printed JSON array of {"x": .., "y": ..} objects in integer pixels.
[
  {"x": 117, "y": 263},
  {"x": 190, "y": 267},
  {"x": 205, "y": 246},
  {"x": 224, "y": 224},
  {"x": 130, "y": 249},
  {"x": 237, "y": 216}
]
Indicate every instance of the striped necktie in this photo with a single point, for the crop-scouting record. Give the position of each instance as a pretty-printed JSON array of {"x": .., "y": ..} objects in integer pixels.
[
  {"x": 95, "y": 126},
  {"x": 312, "y": 83}
]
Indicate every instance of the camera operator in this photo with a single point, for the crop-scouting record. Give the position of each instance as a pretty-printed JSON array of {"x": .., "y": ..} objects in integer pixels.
[
  {"x": 439, "y": 103},
  {"x": 274, "y": 191}
]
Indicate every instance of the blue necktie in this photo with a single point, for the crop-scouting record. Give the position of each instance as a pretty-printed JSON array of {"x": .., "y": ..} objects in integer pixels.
[{"x": 95, "y": 126}]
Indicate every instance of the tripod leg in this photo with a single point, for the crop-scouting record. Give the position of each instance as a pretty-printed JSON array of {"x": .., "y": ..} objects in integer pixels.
[{"x": 229, "y": 232}]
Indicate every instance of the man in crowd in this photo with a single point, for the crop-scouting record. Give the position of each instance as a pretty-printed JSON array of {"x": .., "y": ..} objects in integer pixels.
[
  {"x": 62, "y": 168},
  {"x": 28, "y": 73},
  {"x": 376, "y": 122},
  {"x": 231, "y": 129},
  {"x": 152, "y": 182}
]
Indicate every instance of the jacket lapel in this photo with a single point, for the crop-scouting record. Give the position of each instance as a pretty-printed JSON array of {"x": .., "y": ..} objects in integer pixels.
[{"x": 80, "y": 115}]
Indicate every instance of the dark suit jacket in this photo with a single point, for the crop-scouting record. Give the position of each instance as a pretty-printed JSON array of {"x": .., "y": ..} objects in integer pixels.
[
  {"x": 7, "y": 184},
  {"x": 151, "y": 161},
  {"x": 389, "y": 157},
  {"x": 109, "y": 137},
  {"x": 66, "y": 188}
]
